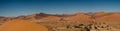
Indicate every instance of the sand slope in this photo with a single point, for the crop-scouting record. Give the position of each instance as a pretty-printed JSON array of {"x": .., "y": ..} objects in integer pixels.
[{"x": 21, "y": 25}]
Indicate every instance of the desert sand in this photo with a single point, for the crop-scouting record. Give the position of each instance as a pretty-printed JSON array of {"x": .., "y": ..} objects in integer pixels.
[
  {"x": 99, "y": 21},
  {"x": 22, "y": 25}
]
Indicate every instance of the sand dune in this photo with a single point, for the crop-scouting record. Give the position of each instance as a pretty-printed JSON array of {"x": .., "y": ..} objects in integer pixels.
[
  {"x": 104, "y": 16},
  {"x": 58, "y": 22},
  {"x": 21, "y": 25}
]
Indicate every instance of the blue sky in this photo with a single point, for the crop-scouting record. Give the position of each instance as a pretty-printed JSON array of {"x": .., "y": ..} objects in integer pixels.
[{"x": 25, "y": 7}]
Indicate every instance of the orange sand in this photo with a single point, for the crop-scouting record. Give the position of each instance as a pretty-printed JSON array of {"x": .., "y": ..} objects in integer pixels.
[{"x": 21, "y": 25}]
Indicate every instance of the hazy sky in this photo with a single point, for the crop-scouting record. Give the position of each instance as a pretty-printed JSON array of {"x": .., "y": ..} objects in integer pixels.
[{"x": 25, "y": 7}]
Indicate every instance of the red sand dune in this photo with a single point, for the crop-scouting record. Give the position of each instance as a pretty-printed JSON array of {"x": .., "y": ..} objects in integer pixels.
[
  {"x": 78, "y": 17},
  {"x": 22, "y": 25},
  {"x": 50, "y": 18},
  {"x": 98, "y": 16},
  {"x": 112, "y": 17}
]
